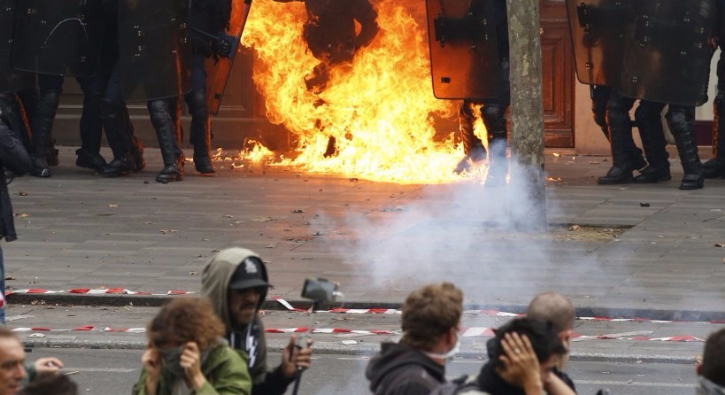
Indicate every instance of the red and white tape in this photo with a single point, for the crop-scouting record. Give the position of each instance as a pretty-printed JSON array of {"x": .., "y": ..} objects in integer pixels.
[
  {"x": 491, "y": 313},
  {"x": 465, "y": 332},
  {"x": 88, "y": 291}
]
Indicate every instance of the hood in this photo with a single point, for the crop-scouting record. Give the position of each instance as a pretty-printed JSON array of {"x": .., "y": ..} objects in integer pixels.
[
  {"x": 707, "y": 387},
  {"x": 215, "y": 280},
  {"x": 395, "y": 355}
]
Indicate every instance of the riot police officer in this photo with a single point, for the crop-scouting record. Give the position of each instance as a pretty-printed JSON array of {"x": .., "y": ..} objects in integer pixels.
[{"x": 208, "y": 20}]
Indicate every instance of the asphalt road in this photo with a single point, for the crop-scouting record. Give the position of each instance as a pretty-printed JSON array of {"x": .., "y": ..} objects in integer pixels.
[{"x": 113, "y": 372}]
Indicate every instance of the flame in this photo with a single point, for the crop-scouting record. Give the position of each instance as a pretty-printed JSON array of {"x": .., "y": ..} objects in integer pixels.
[{"x": 380, "y": 111}]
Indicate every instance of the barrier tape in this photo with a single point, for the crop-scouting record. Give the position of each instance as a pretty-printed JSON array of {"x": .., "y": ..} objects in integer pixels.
[
  {"x": 465, "y": 332},
  {"x": 88, "y": 291}
]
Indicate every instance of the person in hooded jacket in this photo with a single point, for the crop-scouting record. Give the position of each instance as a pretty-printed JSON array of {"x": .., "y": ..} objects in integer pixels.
[
  {"x": 416, "y": 364},
  {"x": 236, "y": 282}
]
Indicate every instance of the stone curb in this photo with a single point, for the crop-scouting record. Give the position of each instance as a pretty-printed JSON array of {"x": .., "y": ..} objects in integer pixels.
[{"x": 155, "y": 301}]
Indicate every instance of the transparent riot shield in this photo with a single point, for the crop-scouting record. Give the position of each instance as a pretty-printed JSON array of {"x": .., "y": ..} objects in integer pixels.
[
  {"x": 218, "y": 70},
  {"x": 11, "y": 80},
  {"x": 154, "y": 60},
  {"x": 58, "y": 37},
  {"x": 463, "y": 49},
  {"x": 667, "y": 51},
  {"x": 597, "y": 34}
]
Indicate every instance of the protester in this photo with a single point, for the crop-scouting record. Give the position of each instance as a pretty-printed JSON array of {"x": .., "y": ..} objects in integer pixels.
[
  {"x": 13, "y": 375},
  {"x": 186, "y": 354},
  {"x": 554, "y": 308},
  {"x": 520, "y": 361},
  {"x": 711, "y": 372},
  {"x": 416, "y": 364},
  {"x": 236, "y": 282},
  {"x": 15, "y": 158}
]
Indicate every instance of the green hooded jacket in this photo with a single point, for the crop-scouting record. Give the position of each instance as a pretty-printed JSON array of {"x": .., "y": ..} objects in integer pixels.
[
  {"x": 249, "y": 341},
  {"x": 225, "y": 371}
]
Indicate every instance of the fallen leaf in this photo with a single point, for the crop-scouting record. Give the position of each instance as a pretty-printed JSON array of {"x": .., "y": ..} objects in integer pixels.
[
  {"x": 270, "y": 246},
  {"x": 721, "y": 245},
  {"x": 261, "y": 219},
  {"x": 228, "y": 216},
  {"x": 574, "y": 227},
  {"x": 193, "y": 273},
  {"x": 167, "y": 231},
  {"x": 298, "y": 211},
  {"x": 556, "y": 154},
  {"x": 593, "y": 162},
  {"x": 111, "y": 205},
  {"x": 21, "y": 215},
  {"x": 23, "y": 193},
  {"x": 555, "y": 179}
]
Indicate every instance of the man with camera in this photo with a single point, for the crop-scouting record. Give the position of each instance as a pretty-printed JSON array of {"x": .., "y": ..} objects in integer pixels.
[
  {"x": 236, "y": 282},
  {"x": 416, "y": 364}
]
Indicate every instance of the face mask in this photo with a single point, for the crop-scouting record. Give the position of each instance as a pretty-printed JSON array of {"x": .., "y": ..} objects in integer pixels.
[
  {"x": 450, "y": 354},
  {"x": 171, "y": 360}
]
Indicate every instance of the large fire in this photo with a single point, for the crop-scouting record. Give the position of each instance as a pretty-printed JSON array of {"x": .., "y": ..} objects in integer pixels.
[{"x": 381, "y": 111}]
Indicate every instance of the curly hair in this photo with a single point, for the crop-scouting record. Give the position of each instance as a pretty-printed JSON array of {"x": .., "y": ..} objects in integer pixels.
[
  {"x": 186, "y": 319},
  {"x": 430, "y": 312}
]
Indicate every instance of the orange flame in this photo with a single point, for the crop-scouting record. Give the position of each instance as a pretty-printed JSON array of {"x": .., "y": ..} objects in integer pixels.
[{"x": 380, "y": 111}]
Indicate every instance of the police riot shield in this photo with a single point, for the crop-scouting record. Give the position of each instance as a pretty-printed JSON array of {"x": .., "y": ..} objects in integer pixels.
[
  {"x": 58, "y": 37},
  {"x": 597, "y": 33},
  {"x": 11, "y": 80},
  {"x": 463, "y": 49},
  {"x": 667, "y": 51},
  {"x": 154, "y": 57},
  {"x": 219, "y": 69}
]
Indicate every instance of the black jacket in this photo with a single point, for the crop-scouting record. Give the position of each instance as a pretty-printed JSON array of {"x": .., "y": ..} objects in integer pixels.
[
  {"x": 402, "y": 370},
  {"x": 14, "y": 158}
]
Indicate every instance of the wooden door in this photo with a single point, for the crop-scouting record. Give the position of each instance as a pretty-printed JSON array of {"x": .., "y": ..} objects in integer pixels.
[{"x": 558, "y": 77}]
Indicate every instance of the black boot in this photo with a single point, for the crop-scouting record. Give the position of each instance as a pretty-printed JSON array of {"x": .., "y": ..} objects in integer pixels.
[
  {"x": 649, "y": 123},
  {"x": 200, "y": 131},
  {"x": 118, "y": 131},
  {"x": 166, "y": 134},
  {"x": 681, "y": 120},
  {"x": 620, "y": 136},
  {"x": 41, "y": 127},
  {"x": 89, "y": 160}
]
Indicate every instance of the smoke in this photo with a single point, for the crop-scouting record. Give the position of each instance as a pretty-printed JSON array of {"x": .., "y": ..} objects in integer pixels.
[{"x": 481, "y": 238}]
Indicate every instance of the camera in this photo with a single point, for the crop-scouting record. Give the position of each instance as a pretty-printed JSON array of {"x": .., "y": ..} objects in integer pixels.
[{"x": 320, "y": 290}]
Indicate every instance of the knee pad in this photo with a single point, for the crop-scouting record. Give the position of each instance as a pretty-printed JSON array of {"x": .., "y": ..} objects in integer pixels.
[
  {"x": 159, "y": 112},
  {"x": 493, "y": 113},
  {"x": 679, "y": 118},
  {"x": 196, "y": 100}
]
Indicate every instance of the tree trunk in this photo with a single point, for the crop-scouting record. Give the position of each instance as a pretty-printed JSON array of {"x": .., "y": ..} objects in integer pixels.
[{"x": 527, "y": 114}]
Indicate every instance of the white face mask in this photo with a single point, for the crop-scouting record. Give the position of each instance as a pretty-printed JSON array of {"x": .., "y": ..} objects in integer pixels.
[{"x": 450, "y": 354}]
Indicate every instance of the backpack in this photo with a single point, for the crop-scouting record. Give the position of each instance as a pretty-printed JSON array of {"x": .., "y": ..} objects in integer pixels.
[{"x": 463, "y": 385}]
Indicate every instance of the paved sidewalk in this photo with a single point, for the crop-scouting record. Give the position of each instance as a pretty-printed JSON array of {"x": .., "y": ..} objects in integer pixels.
[{"x": 636, "y": 250}]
